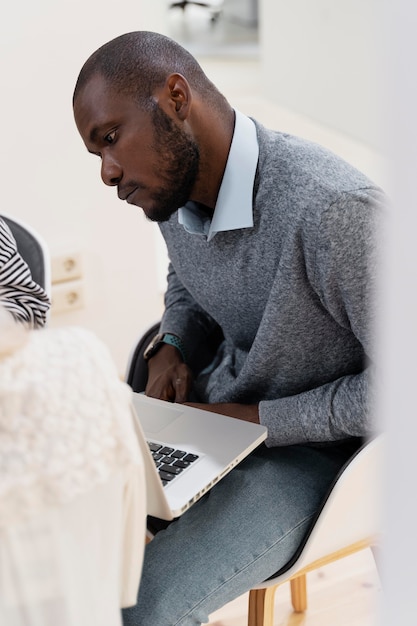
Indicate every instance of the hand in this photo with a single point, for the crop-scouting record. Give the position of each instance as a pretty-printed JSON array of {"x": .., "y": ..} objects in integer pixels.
[
  {"x": 169, "y": 378},
  {"x": 245, "y": 412}
]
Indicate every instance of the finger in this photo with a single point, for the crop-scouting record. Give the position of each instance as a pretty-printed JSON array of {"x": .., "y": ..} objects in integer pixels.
[
  {"x": 168, "y": 394},
  {"x": 165, "y": 393}
]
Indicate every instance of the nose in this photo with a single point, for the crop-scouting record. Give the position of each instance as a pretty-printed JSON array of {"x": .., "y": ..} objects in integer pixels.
[{"x": 111, "y": 172}]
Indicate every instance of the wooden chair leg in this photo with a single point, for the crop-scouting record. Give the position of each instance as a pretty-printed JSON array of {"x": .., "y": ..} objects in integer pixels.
[
  {"x": 261, "y": 606},
  {"x": 299, "y": 593}
]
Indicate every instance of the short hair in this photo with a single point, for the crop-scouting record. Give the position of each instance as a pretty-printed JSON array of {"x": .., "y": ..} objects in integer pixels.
[{"x": 137, "y": 63}]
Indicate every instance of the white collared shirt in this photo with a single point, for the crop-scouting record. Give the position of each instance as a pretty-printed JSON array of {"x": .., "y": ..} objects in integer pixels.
[{"x": 233, "y": 208}]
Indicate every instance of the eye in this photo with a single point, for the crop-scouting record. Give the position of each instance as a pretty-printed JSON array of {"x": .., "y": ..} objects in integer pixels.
[{"x": 110, "y": 137}]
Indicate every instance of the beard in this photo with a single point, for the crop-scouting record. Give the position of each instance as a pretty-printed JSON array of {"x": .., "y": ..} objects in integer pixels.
[{"x": 179, "y": 159}]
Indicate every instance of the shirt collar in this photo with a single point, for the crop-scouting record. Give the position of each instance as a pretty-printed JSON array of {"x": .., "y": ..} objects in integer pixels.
[{"x": 233, "y": 208}]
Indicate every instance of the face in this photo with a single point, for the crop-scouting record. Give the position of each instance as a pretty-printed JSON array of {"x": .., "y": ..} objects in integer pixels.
[{"x": 147, "y": 155}]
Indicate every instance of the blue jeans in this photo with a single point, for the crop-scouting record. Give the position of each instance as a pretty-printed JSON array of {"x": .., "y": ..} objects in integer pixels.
[{"x": 239, "y": 534}]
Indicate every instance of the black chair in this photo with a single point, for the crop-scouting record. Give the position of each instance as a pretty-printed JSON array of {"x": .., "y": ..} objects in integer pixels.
[
  {"x": 215, "y": 10},
  {"x": 137, "y": 370},
  {"x": 33, "y": 250}
]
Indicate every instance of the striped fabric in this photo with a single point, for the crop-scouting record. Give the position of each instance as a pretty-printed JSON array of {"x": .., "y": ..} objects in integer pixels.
[{"x": 19, "y": 294}]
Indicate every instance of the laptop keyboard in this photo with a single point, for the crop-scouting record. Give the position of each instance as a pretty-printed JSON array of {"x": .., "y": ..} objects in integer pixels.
[{"x": 169, "y": 461}]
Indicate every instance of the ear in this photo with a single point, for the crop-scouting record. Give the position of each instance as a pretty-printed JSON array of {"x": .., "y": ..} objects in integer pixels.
[{"x": 176, "y": 95}]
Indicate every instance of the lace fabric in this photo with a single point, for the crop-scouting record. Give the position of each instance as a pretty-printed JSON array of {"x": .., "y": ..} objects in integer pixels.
[{"x": 65, "y": 421}]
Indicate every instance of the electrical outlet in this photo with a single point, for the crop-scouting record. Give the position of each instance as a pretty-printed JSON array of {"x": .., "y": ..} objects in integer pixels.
[
  {"x": 67, "y": 296},
  {"x": 66, "y": 267}
]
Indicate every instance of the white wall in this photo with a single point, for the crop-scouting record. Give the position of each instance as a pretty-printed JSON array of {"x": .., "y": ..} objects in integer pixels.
[
  {"x": 50, "y": 180},
  {"x": 47, "y": 176},
  {"x": 321, "y": 59}
]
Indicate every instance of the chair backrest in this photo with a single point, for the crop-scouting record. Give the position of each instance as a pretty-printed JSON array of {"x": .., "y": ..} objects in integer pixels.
[
  {"x": 351, "y": 513},
  {"x": 137, "y": 369},
  {"x": 33, "y": 250}
]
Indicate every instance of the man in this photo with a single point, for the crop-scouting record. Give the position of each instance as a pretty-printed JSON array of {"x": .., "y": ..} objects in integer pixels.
[{"x": 271, "y": 242}]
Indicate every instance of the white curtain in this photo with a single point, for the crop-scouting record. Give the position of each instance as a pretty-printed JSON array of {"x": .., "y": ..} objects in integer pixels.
[
  {"x": 72, "y": 483},
  {"x": 76, "y": 564}
]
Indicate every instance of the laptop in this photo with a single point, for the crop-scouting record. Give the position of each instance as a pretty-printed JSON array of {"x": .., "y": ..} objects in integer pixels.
[{"x": 186, "y": 451}]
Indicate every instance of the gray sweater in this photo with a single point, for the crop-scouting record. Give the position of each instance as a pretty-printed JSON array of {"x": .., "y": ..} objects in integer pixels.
[{"x": 293, "y": 295}]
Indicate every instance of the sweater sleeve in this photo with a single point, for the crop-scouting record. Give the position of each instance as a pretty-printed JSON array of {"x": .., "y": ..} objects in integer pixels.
[
  {"x": 184, "y": 317},
  {"x": 335, "y": 411},
  {"x": 345, "y": 278}
]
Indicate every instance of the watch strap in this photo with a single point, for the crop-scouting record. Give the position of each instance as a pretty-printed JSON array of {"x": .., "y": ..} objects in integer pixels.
[{"x": 175, "y": 341}]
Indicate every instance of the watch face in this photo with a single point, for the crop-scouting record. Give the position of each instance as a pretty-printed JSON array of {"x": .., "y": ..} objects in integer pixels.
[{"x": 150, "y": 349}]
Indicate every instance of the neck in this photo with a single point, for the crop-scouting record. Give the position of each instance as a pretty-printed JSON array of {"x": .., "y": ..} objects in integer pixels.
[{"x": 214, "y": 139}]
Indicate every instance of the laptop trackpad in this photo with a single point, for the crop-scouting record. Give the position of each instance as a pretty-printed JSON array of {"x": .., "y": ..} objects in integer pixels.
[{"x": 155, "y": 418}]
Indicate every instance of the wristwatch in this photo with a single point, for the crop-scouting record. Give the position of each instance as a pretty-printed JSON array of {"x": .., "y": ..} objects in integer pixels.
[{"x": 155, "y": 343}]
